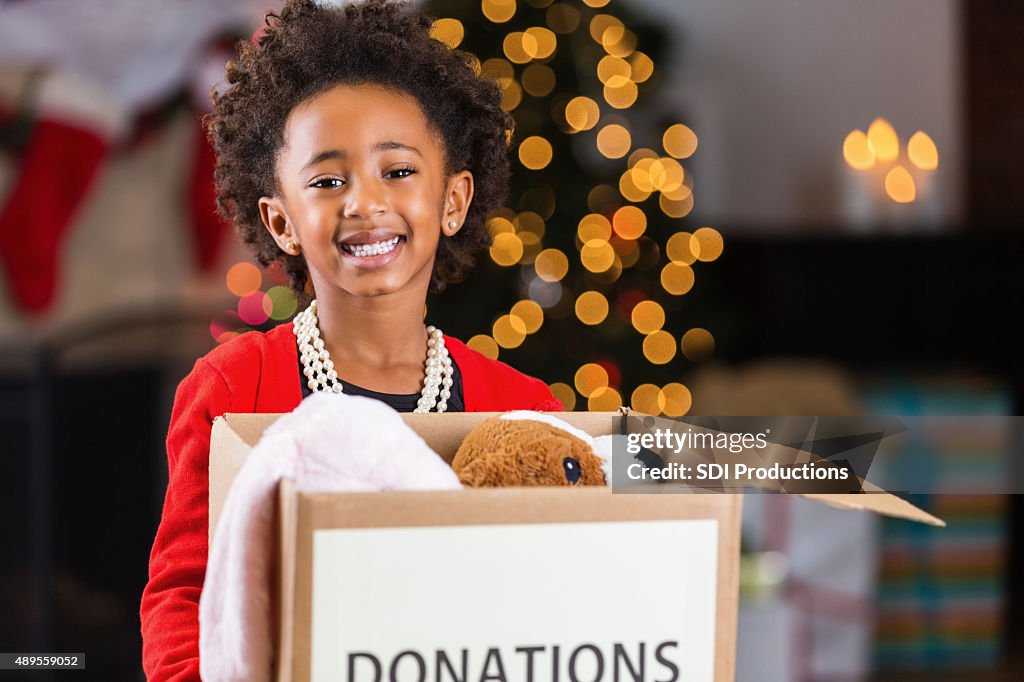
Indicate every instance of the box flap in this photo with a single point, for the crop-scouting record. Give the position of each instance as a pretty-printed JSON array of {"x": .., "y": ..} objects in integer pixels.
[{"x": 873, "y": 498}]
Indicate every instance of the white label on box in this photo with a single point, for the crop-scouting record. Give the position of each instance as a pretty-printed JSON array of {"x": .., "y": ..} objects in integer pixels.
[{"x": 630, "y": 601}]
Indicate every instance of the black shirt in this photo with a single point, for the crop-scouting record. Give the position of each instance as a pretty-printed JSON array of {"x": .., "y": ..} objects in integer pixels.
[{"x": 400, "y": 402}]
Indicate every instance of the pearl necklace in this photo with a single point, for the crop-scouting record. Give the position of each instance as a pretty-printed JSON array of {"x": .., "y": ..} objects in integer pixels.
[{"x": 318, "y": 368}]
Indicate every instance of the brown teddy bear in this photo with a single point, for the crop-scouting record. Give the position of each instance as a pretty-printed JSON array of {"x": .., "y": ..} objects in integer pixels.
[{"x": 526, "y": 448}]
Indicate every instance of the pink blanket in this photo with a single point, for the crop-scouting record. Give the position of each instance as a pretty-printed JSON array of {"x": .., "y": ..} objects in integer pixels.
[{"x": 328, "y": 443}]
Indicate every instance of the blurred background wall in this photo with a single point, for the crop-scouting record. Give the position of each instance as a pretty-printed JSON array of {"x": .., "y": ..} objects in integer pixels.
[{"x": 776, "y": 274}]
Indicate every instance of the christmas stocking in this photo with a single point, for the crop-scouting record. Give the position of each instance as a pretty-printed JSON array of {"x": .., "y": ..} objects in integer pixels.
[
  {"x": 71, "y": 138},
  {"x": 209, "y": 230}
]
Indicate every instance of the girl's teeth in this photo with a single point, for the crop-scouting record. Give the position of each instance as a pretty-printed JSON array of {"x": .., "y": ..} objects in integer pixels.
[{"x": 375, "y": 249}]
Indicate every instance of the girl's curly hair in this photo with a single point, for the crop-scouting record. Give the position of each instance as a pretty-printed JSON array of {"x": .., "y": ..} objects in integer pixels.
[{"x": 308, "y": 48}]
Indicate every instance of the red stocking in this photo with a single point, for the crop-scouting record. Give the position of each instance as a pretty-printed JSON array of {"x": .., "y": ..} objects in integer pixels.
[
  {"x": 208, "y": 229},
  {"x": 56, "y": 172}
]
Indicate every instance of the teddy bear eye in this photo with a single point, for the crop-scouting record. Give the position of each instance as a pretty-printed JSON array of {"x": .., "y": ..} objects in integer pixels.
[{"x": 571, "y": 466}]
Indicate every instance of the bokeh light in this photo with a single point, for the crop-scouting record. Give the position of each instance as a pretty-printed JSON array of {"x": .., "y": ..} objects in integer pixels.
[
  {"x": 677, "y": 278},
  {"x": 448, "y": 31},
  {"x": 899, "y": 185},
  {"x": 620, "y": 93},
  {"x": 679, "y": 141},
  {"x": 610, "y": 67},
  {"x": 698, "y": 344},
  {"x": 283, "y": 302},
  {"x": 243, "y": 279},
  {"x": 498, "y": 11},
  {"x": 582, "y": 113},
  {"x": 641, "y": 67},
  {"x": 922, "y": 151},
  {"x": 675, "y": 400},
  {"x": 604, "y": 399},
  {"x": 646, "y": 398},
  {"x": 679, "y": 249},
  {"x": 499, "y": 225},
  {"x": 857, "y": 152},
  {"x": 545, "y": 41},
  {"x": 647, "y": 317},
  {"x": 562, "y": 18},
  {"x": 629, "y": 222},
  {"x": 511, "y": 93},
  {"x": 597, "y": 255},
  {"x": 535, "y": 152},
  {"x": 591, "y": 307},
  {"x": 594, "y": 226},
  {"x": 674, "y": 208},
  {"x": 551, "y": 265},
  {"x": 496, "y": 68},
  {"x": 707, "y": 244},
  {"x": 529, "y": 313},
  {"x": 659, "y": 347},
  {"x": 507, "y": 249},
  {"x": 883, "y": 140},
  {"x": 519, "y": 47},
  {"x": 485, "y": 345},
  {"x": 508, "y": 331},
  {"x": 613, "y": 141},
  {"x": 539, "y": 80},
  {"x": 589, "y": 378},
  {"x": 565, "y": 394}
]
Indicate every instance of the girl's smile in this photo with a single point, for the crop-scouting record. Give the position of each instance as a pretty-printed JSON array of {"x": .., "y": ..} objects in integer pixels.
[{"x": 363, "y": 192}]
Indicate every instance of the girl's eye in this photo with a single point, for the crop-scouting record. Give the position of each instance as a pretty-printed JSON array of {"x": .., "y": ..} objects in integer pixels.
[
  {"x": 400, "y": 172},
  {"x": 327, "y": 183}
]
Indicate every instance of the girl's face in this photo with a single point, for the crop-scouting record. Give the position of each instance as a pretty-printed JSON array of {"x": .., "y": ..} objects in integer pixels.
[{"x": 363, "y": 193}]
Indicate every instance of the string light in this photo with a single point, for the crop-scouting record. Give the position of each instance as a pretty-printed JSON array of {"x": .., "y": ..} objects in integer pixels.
[
  {"x": 507, "y": 249},
  {"x": 539, "y": 80},
  {"x": 508, "y": 331},
  {"x": 613, "y": 141},
  {"x": 564, "y": 393},
  {"x": 589, "y": 378},
  {"x": 899, "y": 185},
  {"x": 659, "y": 347},
  {"x": 498, "y": 11},
  {"x": 594, "y": 226},
  {"x": 698, "y": 344},
  {"x": 647, "y": 317},
  {"x": 529, "y": 313},
  {"x": 675, "y": 400},
  {"x": 678, "y": 248},
  {"x": 641, "y": 67},
  {"x": 620, "y": 94},
  {"x": 551, "y": 265},
  {"x": 448, "y": 31},
  {"x": 535, "y": 152},
  {"x": 647, "y": 398},
  {"x": 597, "y": 255},
  {"x": 629, "y": 222},
  {"x": 707, "y": 244},
  {"x": 629, "y": 187},
  {"x": 610, "y": 67},
  {"x": 605, "y": 399},
  {"x": 544, "y": 40},
  {"x": 922, "y": 151},
  {"x": 485, "y": 345},
  {"x": 591, "y": 308},
  {"x": 679, "y": 141},
  {"x": 858, "y": 152},
  {"x": 243, "y": 278},
  {"x": 677, "y": 278},
  {"x": 582, "y": 113},
  {"x": 562, "y": 18},
  {"x": 883, "y": 140}
]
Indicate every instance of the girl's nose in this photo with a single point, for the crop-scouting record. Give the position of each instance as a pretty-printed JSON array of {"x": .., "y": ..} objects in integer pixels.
[{"x": 364, "y": 199}]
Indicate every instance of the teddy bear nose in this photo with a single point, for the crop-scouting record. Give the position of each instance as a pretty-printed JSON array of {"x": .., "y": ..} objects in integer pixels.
[{"x": 571, "y": 466}]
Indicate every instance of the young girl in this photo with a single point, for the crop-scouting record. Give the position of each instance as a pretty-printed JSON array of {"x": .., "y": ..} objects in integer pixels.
[{"x": 364, "y": 157}]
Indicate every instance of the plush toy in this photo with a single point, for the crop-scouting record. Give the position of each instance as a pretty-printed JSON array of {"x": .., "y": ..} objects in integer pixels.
[{"x": 526, "y": 448}]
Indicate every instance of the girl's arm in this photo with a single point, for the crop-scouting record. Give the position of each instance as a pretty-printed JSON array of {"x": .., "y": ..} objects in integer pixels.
[{"x": 177, "y": 564}]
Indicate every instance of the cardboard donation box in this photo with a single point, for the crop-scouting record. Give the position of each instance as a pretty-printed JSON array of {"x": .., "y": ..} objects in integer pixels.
[{"x": 510, "y": 584}]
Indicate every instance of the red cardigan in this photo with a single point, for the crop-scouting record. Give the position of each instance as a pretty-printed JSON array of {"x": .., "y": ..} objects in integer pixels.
[{"x": 254, "y": 372}]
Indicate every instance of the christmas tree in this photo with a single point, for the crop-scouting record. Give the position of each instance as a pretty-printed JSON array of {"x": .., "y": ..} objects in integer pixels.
[{"x": 592, "y": 266}]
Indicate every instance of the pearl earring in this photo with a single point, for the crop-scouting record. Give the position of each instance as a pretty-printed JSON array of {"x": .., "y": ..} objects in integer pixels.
[
  {"x": 452, "y": 224},
  {"x": 289, "y": 247}
]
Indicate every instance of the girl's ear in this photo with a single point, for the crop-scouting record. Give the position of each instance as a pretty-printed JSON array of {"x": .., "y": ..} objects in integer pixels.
[
  {"x": 456, "y": 205},
  {"x": 275, "y": 219}
]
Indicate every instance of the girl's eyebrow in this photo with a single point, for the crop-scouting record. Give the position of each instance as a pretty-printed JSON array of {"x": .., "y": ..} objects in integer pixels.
[{"x": 330, "y": 154}]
